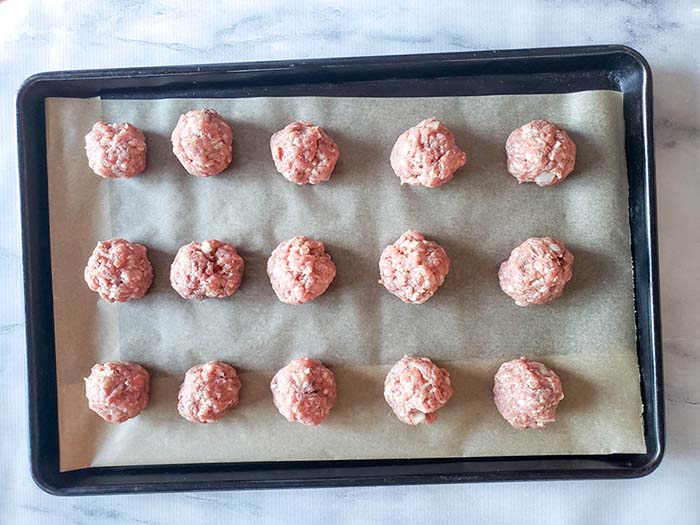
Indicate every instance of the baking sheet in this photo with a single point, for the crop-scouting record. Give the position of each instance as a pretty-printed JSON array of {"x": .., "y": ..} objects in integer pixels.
[{"x": 356, "y": 328}]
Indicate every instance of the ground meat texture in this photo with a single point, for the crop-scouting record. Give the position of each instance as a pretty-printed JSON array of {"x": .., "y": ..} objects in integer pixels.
[
  {"x": 119, "y": 270},
  {"x": 116, "y": 151},
  {"x": 117, "y": 391},
  {"x": 416, "y": 389},
  {"x": 527, "y": 393},
  {"x": 202, "y": 142},
  {"x": 536, "y": 271},
  {"x": 413, "y": 268},
  {"x": 300, "y": 270},
  {"x": 205, "y": 270},
  {"x": 208, "y": 391},
  {"x": 427, "y": 155},
  {"x": 540, "y": 152},
  {"x": 304, "y": 391},
  {"x": 304, "y": 153}
]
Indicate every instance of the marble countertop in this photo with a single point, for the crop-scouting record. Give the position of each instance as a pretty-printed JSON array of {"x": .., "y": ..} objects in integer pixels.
[{"x": 38, "y": 36}]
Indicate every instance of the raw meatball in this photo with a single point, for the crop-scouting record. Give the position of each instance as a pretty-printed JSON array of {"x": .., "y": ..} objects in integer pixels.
[
  {"x": 119, "y": 270},
  {"x": 116, "y": 151},
  {"x": 206, "y": 270},
  {"x": 416, "y": 389},
  {"x": 427, "y": 155},
  {"x": 527, "y": 393},
  {"x": 208, "y": 391},
  {"x": 536, "y": 271},
  {"x": 304, "y": 391},
  {"x": 202, "y": 142},
  {"x": 300, "y": 270},
  {"x": 303, "y": 153},
  {"x": 413, "y": 268},
  {"x": 540, "y": 152},
  {"x": 117, "y": 391}
]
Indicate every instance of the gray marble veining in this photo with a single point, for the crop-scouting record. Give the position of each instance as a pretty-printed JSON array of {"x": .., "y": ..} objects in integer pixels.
[{"x": 37, "y": 36}]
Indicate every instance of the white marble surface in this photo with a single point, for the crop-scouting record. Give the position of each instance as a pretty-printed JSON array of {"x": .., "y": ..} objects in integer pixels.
[{"x": 37, "y": 36}]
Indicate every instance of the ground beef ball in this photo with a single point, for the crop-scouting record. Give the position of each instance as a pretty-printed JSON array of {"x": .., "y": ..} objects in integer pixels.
[
  {"x": 304, "y": 391},
  {"x": 205, "y": 270},
  {"x": 117, "y": 391},
  {"x": 119, "y": 270},
  {"x": 300, "y": 270},
  {"x": 116, "y": 151},
  {"x": 416, "y": 389},
  {"x": 304, "y": 153},
  {"x": 208, "y": 391},
  {"x": 413, "y": 268},
  {"x": 427, "y": 155},
  {"x": 527, "y": 393},
  {"x": 540, "y": 152},
  {"x": 202, "y": 142},
  {"x": 536, "y": 271}
]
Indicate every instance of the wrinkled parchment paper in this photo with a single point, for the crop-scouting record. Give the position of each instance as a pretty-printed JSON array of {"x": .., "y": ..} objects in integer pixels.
[{"x": 356, "y": 328}]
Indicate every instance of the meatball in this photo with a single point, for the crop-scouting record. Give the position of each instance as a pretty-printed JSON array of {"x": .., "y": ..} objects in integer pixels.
[
  {"x": 300, "y": 270},
  {"x": 208, "y": 391},
  {"x": 304, "y": 153},
  {"x": 206, "y": 270},
  {"x": 304, "y": 391},
  {"x": 416, "y": 389},
  {"x": 536, "y": 271},
  {"x": 413, "y": 268},
  {"x": 119, "y": 270},
  {"x": 116, "y": 151},
  {"x": 427, "y": 155},
  {"x": 202, "y": 142},
  {"x": 117, "y": 391},
  {"x": 540, "y": 152},
  {"x": 527, "y": 393}
]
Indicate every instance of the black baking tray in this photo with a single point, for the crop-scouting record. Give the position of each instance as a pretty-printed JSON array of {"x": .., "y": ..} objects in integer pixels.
[{"x": 553, "y": 70}]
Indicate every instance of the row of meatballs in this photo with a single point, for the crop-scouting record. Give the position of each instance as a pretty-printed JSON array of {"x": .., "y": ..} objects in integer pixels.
[
  {"x": 300, "y": 269},
  {"x": 424, "y": 155},
  {"x": 526, "y": 393}
]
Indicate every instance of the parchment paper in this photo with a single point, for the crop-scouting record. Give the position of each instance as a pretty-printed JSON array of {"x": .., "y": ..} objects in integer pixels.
[{"x": 357, "y": 328}]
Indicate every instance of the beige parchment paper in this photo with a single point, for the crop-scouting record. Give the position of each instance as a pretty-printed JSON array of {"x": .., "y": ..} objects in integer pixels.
[{"x": 356, "y": 328}]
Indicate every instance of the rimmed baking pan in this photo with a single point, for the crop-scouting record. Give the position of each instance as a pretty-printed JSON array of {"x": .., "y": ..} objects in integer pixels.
[{"x": 540, "y": 71}]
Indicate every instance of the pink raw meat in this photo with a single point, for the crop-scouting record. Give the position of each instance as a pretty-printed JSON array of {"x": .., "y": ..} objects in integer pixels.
[
  {"x": 119, "y": 270},
  {"x": 116, "y": 150},
  {"x": 304, "y": 391},
  {"x": 540, "y": 152},
  {"x": 527, "y": 393},
  {"x": 206, "y": 270},
  {"x": 413, "y": 268},
  {"x": 300, "y": 270},
  {"x": 202, "y": 142},
  {"x": 416, "y": 389},
  {"x": 208, "y": 391},
  {"x": 304, "y": 153},
  {"x": 117, "y": 391},
  {"x": 536, "y": 271},
  {"x": 427, "y": 155}
]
